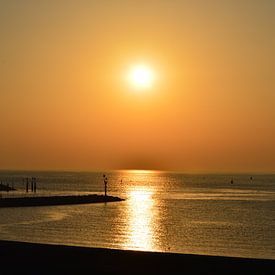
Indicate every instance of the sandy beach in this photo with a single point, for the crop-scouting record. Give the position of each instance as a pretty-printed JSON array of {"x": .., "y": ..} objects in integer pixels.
[{"x": 30, "y": 258}]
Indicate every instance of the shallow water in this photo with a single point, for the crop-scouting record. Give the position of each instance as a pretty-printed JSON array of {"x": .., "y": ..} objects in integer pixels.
[{"x": 201, "y": 214}]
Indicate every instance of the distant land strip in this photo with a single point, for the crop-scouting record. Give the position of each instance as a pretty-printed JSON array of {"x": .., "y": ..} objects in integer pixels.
[
  {"x": 6, "y": 188},
  {"x": 56, "y": 200}
]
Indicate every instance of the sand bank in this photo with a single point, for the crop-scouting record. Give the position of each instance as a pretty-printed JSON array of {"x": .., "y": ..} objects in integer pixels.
[{"x": 28, "y": 258}]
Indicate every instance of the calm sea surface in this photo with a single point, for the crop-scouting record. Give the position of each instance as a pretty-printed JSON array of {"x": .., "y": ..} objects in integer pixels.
[{"x": 182, "y": 213}]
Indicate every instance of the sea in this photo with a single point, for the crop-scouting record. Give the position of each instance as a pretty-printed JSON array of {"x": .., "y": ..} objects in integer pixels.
[{"x": 207, "y": 214}]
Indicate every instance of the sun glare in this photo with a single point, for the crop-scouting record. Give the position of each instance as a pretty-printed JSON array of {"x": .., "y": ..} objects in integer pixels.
[{"x": 141, "y": 77}]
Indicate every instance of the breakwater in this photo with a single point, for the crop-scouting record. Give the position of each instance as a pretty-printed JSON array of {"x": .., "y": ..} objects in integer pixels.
[{"x": 56, "y": 200}]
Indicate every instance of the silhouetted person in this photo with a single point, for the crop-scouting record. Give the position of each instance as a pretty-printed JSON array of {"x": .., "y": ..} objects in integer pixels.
[
  {"x": 105, "y": 179},
  {"x": 231, "y": 181}
]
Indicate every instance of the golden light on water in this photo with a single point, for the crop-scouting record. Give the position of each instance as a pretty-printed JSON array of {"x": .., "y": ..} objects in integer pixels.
[
  {"x": 140, "y": 220},
  {"x": 140, "y": 171},
  {"x": 141, "y": 196}
]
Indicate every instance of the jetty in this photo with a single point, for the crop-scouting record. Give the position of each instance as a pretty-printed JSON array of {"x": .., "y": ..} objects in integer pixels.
[{"x": 56, "y": 200}]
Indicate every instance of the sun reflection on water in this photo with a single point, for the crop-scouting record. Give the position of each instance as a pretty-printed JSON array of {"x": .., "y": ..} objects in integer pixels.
[{"x": 140, "y": 220}]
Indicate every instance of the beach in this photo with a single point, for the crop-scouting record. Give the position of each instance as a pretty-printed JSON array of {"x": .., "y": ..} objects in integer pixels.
[
  {"x": 31, "y": 258},
  {"x": 137, "y": 137},
  {"x": 197, "y": 225}
]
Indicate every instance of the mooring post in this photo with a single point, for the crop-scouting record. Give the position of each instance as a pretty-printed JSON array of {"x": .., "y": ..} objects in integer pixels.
[
  {"x": 34, "y": 183},
  {"x": 27, "y": 185}
]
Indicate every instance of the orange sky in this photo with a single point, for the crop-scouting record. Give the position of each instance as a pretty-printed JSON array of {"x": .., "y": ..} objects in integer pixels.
[{"x": 64, "y": 102}]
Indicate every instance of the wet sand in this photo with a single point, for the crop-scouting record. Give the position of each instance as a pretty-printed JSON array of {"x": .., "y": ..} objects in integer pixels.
[
  {"x": 56, "y": 200},
  {"x": 28, "y": 258}
]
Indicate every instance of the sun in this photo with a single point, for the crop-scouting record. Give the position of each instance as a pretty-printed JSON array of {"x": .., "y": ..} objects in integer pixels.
[{"x": 141, "y": 76}]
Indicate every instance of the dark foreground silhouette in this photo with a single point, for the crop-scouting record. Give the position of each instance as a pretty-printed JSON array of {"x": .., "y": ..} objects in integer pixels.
[
  {"x": 55, "y": 200},
  {"x": 27, "y": 258}
]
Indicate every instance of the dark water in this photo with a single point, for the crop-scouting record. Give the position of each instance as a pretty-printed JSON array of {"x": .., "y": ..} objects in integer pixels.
[{"x": 201, "y": 214}]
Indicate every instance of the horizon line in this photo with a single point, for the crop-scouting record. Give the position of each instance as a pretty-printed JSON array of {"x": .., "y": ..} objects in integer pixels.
[{"x": 133, "y": 170}]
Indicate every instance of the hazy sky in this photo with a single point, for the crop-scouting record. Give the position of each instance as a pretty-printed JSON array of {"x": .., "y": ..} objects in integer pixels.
[{"x": 65, "y": 104}]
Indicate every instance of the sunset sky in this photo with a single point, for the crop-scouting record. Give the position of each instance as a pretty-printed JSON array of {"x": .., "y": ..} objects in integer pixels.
[{"x": 66, "y": 101}]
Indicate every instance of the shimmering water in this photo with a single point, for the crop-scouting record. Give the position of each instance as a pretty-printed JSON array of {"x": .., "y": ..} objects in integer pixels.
[{"x": 201, "y": 214}]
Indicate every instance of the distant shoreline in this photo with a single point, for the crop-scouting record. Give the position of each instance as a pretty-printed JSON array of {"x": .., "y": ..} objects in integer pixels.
[
  {"x": 7, "y": 188},
  {"x": 56, "y": 200},
  {"x": 61, "y": 259}
]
